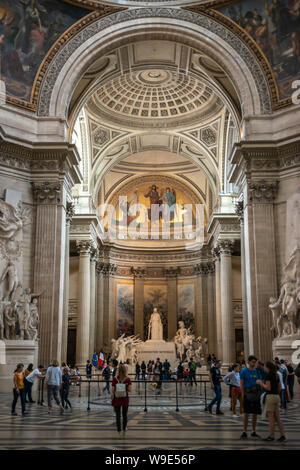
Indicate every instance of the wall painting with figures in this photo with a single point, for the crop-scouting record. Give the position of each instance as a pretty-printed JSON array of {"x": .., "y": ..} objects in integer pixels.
[
  {"x": 186, "y": 304},
  {"x": 156, "y": 295},
  {"x": 124, "y": 308},
  {"x": 28, "y": 29},
  {"x": 275, "y": 27}
]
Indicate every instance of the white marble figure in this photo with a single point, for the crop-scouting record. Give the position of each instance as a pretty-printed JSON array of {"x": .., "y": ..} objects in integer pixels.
[
  {"x": 12, "y": 275},
  {"x": 184, "y": 341},
  {"x": 155, "y": 327},
  {"x": 33, "y": 322},
  {"x": 10, "y": 320}
]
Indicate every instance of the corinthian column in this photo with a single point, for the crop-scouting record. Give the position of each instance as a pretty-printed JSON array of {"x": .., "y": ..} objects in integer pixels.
[
  {"x": 94, "y": 255},
  {"x": 84, "y": 305},
  {"x": 228, "y": 340},
  {"x": 138, "y": 301},
  {"x": 64, "y": 346},
  {"x": 171, "y": 274},
  {"x": 49, "y": 265},
  {"x": 219, "y": 347}
]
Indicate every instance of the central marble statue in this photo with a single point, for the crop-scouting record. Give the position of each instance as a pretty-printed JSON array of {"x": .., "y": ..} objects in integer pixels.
[{"x": 155, "y": 327}]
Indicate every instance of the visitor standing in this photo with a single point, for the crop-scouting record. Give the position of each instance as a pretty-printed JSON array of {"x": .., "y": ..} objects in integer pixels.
[
  {"x": 297, "y": 373},
  {"x": 88, "y": 369},
  {"x": 30, "y": 379},
  {"x": 291, "y": 379},
  {"x": 215, "y": 378},
  {"x": 192, "y": 371},
  {"x": 106, "y": 375},
  {"x": 137, "y": 371},
  {"x": 115, "y": 367},
  {"x": 251, "y": 392},
  {"x": 233, "y": 380},
  {"x": 157, "y": 372},
  {"x": 166, "y": 366},
  {"x": 121, "y": 387},
  {"x": 65, "y": 388},
  {"x": 143, "y": 369},
  {"x": 149, "y": 369},
  {"x": 26, "y": 373},
  {"x": 18, "y": 389},
  {"x": 272, "y": 387},
  {"x": 53, "y": 383}
]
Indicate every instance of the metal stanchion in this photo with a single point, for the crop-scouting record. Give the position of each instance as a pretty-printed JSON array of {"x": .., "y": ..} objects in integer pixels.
[
  {"x": 89, "y": 395},
  {"x": 145, "y": 409},
  {"x": 205, "y": 399},
  {"x": 42, "y": 394},
  {"x": 177, "y": 409},
  {"x": 98, "y": 384},
  {"x": 79, "y": 395}
]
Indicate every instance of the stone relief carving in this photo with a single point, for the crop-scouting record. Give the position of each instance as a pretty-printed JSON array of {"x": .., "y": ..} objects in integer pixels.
[
  {"x": 188, "y": 346},
  {"x": 12, "y": 219},
  {"x": 286, "y": 309}
]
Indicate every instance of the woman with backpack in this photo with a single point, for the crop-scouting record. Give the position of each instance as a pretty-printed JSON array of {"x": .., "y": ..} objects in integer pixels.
[{"x": 121, "y": 387}]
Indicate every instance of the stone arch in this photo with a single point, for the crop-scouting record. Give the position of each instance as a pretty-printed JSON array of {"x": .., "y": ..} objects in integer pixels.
[{"x": 106, "y": 33}]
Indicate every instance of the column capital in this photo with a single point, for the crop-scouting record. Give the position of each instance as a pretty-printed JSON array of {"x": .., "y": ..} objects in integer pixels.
[
  {"x": 216, "y": 253},
  {"x": 137, "y": 272},
  {"x": 204, "y": 268},
  {"x": 47, "y": 193},
  {"x": 239, "y": 210},
  {"x": 70, "y": 211},
  {"x": 84, "y": 247},
  {"x": 225, "y": 247},
  {"x": 105, "y": 268},
  {"x": 94, "y": 254},
  {"x": 172, "y": 272},
  {"x": 263, "y": 191}
]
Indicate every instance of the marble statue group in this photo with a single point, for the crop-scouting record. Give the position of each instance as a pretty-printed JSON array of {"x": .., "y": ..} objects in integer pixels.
[
  {"x": 19, "y": 315},
  {"x": 186, "y": 344}
]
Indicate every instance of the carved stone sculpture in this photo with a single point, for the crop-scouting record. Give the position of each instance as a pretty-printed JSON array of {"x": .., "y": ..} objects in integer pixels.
[
  {"x": 12, "y": 277},
  {"x": 155, "y": 328}
]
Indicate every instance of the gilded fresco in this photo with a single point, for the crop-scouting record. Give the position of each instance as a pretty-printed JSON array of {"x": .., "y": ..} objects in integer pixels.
[
  {"x": 186, "y": 304},
  {"x": 124, "y": 308},
  {"x": 156, "y": 295},
  {"x": 28, "y": 29},
  {"x": 275, "y": 26}
]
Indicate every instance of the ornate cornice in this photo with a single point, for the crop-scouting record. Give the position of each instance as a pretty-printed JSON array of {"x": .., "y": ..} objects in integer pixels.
[
  {"x": 46, "y": 193},
  {"x": 209, "y": 20},
  {"x": 138, "y": 272},
  {"x": 263, "y": 191}
]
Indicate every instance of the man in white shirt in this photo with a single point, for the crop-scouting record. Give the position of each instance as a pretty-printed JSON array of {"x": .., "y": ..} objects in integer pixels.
[{"x": 30, "y": 379}]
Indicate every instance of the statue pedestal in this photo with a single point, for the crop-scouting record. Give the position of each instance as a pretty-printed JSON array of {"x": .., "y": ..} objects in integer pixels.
[
  {"x": 287, "y": 347},
  {"x": 152, "y": 349},
  {"x": 16, "y": 351}
]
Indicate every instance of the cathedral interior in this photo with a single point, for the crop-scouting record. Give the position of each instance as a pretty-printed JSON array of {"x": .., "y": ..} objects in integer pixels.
[{"x": 107, "y": 108}]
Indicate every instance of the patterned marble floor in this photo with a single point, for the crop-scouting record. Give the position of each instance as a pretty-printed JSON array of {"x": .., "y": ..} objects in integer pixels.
[{"x": 159, "y": 428}]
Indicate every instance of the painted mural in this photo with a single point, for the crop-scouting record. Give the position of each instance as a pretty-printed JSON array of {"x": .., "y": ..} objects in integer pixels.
[
  {"x": 156, "y": 295},
  {"x": 124, "y": 308},
  {"x": 28, "y": 28},
  {"x": 275, "y": 26},
  {"x": 186, "y": 304}
]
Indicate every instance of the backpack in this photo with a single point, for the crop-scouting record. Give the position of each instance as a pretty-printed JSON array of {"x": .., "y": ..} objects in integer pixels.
[{"x": 120, "y": 391}]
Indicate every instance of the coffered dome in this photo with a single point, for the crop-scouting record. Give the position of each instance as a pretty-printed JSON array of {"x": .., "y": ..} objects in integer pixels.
[{"x": 145, "y": 97}]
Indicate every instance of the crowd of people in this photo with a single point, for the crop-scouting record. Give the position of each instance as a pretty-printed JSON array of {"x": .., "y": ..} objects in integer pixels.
[{"x": 258, "y": 388}]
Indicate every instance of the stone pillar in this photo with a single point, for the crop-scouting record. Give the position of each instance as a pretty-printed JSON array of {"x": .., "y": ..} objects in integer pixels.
[
  {"x": 199, "y": 304},
  {"x": 228, "y": 339},
  {"x": 84, "y": 304},
  {"x": 261, "y": 263},
  {"x": 138, "y": 302},
  {"x": 171, "y": 274},
  {"x": 92, "y": 344},
  {"x": 219, "y": 347},
  {"x": 211, "y": 311},
  {"x": 240, "y": 213},
  {"x": 99, "y": 311},
  {"x": 49, "y": 266},
  {"x": 64, "y": 346},
  {"x": 106, "y": 295},
  {"x": 201, "y": 321}
]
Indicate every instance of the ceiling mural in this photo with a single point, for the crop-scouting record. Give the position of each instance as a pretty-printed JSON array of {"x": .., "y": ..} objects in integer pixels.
[
  {"x": 275, "y": 27},
  {"x": 28, "y": 29}
]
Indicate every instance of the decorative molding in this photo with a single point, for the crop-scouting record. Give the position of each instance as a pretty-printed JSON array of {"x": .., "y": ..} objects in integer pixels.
[
  {"x": 172, "y": 272},
  {"x": 47, "y": 193},
  {"x": 263, "y": 191},
  {"x": 99, "y": 21},
  {"x": 203, "y": 269},
  {"x": 239, "y": 210},
  {"x": 138, "y": 272}
]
